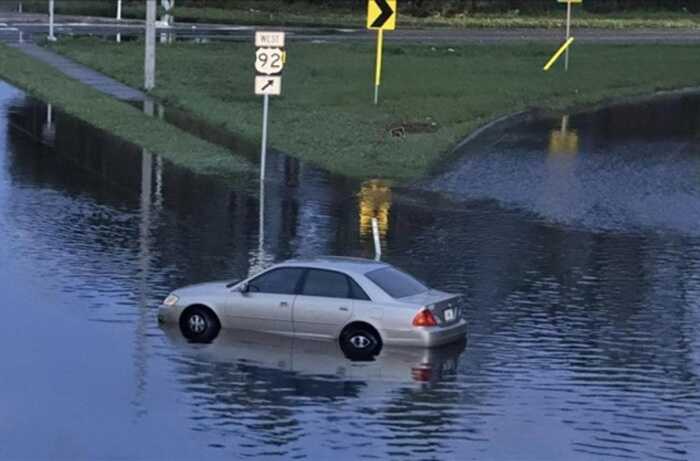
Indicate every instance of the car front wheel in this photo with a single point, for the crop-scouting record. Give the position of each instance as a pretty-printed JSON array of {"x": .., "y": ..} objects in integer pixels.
[{"x": 199, "y": 324}]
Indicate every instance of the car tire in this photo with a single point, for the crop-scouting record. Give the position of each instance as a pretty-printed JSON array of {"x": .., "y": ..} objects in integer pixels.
[
  {"x": 360, "y": 343},
  {"x": 199, "y": 324}
]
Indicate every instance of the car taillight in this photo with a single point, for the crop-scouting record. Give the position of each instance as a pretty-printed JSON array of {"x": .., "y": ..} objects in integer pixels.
[{"x": 424, "y": 318}]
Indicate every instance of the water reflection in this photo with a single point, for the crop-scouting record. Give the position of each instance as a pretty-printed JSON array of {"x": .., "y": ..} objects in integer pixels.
[
  {"x": 583, "y": 343},
  {"x": 623, "y": 168},
  {"x": 266, "y": 385}
]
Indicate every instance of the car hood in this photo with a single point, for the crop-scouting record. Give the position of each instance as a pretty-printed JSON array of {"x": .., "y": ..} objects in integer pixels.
[
  {"x": 428, "y": 297},
  {"x": 202, "y": 288}
]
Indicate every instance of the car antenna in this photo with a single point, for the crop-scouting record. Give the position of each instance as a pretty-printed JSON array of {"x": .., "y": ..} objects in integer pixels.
[{"x": 377, "y": 243}]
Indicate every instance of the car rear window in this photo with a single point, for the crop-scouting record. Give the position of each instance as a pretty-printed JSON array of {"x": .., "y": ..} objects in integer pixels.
[{"x": 395, "y": 283}]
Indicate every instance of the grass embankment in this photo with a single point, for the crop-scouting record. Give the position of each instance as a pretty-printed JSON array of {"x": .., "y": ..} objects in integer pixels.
[
  {"x": 326, "y": 115},
  {"x": 122, "y": 119},
  {"x": 306, "y": 13}
]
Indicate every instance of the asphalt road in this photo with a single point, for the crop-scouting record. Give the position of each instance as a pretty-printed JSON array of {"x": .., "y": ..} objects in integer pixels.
[{"x": 14, "y": 25}]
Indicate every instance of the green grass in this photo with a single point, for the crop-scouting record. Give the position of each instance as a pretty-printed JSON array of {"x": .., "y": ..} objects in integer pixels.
[
  {"x": 301, "y": 14},
  {"x": 122, "y": 119},
  {"x": 305, "y": 13},
  {"x": 326, "y": 115}
]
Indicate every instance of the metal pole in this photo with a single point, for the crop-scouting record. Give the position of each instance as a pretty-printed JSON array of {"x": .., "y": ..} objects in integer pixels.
[
  {"x": 377, "y": 243},
  {"x": 263, "y": 162},
  {"x": 19, "y": 7},
  {"x": 263, "y": 148},
  {"x": 261, "y": 226},
  {"x": 119, "y": 10},
  {"x": 52, "y": 37},
  {"x": 378, "y": 65},
  {"x": 150, "y": 60},
  {"x": 568, "y": 34}
]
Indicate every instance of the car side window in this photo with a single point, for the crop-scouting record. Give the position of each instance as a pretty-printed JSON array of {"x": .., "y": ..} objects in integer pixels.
[
  {"x": 356, "y": 291},
  {"x": 328, "y": 284},
  {"x": 282, "y": 281}
]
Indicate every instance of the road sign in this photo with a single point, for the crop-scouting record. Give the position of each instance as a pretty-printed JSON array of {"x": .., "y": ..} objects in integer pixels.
[
  {"x": 271, "y": 86},
  {"x": 269, "y": 39},
  {"x": 381, "y": 14},
  {"x": 269, "y": 61}
]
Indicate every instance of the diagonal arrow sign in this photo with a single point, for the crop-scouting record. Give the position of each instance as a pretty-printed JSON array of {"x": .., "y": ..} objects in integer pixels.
[{"x": 387, "y": 12}]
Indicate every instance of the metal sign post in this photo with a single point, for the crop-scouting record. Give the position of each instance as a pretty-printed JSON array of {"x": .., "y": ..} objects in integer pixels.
[
  {"x": 119, "y": 10},
  {"x": 269, "y": 61},
  {"x": 263, "y": 142},
  {"x": 381, "y": 16},
  {"x": 568, "y": 28}
]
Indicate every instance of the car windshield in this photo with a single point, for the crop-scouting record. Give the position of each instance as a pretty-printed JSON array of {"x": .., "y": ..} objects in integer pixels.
[{"x": 396, "y": 283}]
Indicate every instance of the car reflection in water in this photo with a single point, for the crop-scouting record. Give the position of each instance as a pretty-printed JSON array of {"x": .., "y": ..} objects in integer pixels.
[{"x": 317, "y": 358}]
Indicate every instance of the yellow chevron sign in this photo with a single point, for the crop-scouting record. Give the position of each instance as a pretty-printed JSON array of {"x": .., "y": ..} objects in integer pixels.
[{"x": 381, "y": 14}]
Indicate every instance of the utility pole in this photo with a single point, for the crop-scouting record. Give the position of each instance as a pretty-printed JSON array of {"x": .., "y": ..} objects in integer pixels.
[
  {"x": 51, "y": 37},
  {"x": 150, "y": 60}
]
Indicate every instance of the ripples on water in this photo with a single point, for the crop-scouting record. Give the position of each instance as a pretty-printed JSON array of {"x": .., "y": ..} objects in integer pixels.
[
  {"x": 627, "y": 168},
  {"x": 583, "y": 341}
]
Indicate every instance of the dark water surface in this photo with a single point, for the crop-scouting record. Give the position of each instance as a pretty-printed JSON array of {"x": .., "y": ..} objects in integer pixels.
[{"x": 578, "y": 250}]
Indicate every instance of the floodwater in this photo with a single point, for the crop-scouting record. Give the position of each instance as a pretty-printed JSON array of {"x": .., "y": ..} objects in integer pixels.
[{"x": 574, "y": 241}]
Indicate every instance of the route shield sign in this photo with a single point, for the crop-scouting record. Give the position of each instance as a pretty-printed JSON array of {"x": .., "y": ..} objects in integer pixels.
[
  {"x": 269, "y": 60},
  {"x": 271, "y": 86},
  {"x": 381, "y": 14}
]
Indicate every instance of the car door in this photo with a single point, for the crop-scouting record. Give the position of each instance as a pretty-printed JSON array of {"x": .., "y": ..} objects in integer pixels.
[
  {"x": 267, "y": 303},
  {"x": 323, "y": 305}
]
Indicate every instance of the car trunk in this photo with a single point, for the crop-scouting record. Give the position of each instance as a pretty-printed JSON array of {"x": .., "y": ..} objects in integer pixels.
[{"x": 446, "y": 307}]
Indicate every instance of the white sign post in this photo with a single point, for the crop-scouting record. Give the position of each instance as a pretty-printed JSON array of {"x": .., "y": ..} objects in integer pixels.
[{"x": 269, "y": 61}]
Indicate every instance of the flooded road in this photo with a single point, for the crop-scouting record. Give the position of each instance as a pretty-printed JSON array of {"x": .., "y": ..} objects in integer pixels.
[{"x": 583, "y": 343}]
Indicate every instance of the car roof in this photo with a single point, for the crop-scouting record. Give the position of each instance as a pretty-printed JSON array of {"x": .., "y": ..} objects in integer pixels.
[{"x": 358, "y": 266}]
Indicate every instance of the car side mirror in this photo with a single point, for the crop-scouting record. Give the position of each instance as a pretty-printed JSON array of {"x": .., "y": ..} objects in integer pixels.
[{"x": 244, "y": 288}]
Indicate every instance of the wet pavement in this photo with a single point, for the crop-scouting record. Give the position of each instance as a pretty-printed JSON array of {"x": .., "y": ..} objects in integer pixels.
[{"x": 573, "y": 240}]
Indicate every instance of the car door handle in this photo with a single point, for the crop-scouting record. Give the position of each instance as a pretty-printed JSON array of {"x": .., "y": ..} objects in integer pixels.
[
  {"x": 344, "y": 309},
  {"x": 284, "y": 304}
]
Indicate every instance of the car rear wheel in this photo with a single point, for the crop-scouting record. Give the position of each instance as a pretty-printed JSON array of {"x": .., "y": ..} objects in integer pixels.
[
  {"x": 360, "y": 342},
  {"x": 199, "y": 324}
]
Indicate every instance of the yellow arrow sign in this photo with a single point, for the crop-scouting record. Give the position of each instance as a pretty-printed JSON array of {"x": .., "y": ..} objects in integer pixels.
[{"x": 381, "y": 14}]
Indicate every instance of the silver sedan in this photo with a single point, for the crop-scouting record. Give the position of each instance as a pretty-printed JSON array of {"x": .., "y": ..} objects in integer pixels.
[{"x": 362, "y": 303}]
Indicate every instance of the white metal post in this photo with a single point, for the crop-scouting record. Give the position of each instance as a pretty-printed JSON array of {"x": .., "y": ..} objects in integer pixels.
[
  {"x": 19, "y": 7},
  {"x": 377, "y": 242},
  {"x": 51, "y": 37},
  {"x": 568, "y": 34},
  {"x": 263, "y": 148},
  {"x": 119, "y": 10},
  {"x": 150, "y": 59}
]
